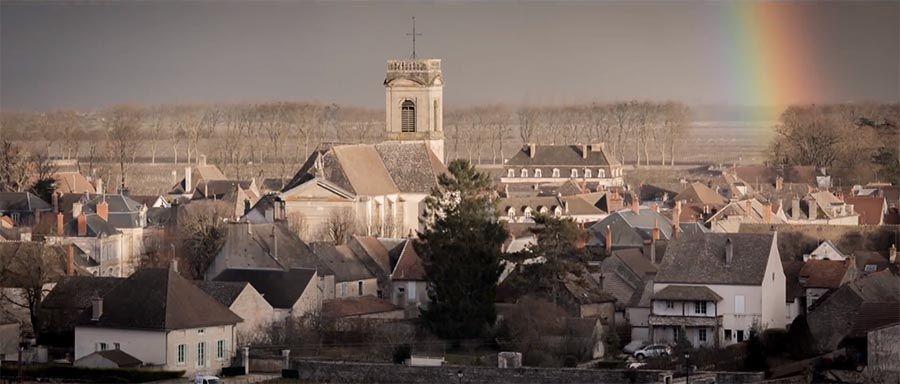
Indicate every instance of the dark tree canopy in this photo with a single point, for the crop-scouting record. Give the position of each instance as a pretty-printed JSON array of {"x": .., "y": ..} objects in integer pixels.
[{"x": 461, "y": 251}]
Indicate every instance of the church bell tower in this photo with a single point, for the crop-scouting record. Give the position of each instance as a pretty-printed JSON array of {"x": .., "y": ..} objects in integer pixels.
[{"x": 414, "y": 90}]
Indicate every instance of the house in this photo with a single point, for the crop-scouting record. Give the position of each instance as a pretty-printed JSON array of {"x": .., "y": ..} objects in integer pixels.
[
  {"x": 871, "y": 209},
  {"x": 102, "y": 244},
  {"x": 733, "y": 283},
  {"x": 637, "y": 312},
  {"x": 581, "y": 208},
  {"x": 882, "y": 350},
  {"x": 537, "y": 164},
  {"x": 630, "y": 228},
  {"x": 834, "y": 317},
  {"x": 625, "y": 273},
  {"x": 72, "y": 182},
  {"x": 161, "y": 319},
  {"x": 818, "y": 277},
  {"x": 408, "y": 278},
  {"x": 377, "y": 258},
  {"x": 110, "y": 359},
  {"x": 821, "y": 207},
  {"x": 244, "y": 300},
  {"x": 238, "y": 195},
  {"x": 65, "y": 304},
  {"x": 582, "y": 296},
  {"x": 825, "y": 251},
  {"x": 361, "y": 307},
  {"x": 750, "y": 211},
  {"x": 699, "y": 194},
  {"x": 286, "y": 294},
  {"x": 23, "y": 208},
  {"x": 351, "y": 277},
  {"x": 193, "y": 175},
  {"x": 795, "y": 294},
  {"x": 263, "y": 246}
]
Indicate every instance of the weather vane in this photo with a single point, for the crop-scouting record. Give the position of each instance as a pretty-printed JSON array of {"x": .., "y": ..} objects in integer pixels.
[{"x": 414, "y": 34}]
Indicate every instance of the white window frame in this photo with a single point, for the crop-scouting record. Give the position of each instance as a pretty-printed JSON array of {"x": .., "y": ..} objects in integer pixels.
[
  {"x": 670, "y": 304},
  {"x": 181, "y": 354},
  {"x": 556, "y": 173},
  {"x": 588, "y": 174},
  {"x": 739, "y": 304},
  {"x": 537, "y": 173},
  {"x": 220, "y": 350},
  {"x": 523, "y": 173},
  {"x": 510, "y": 173},
  {"x": 700, "y": 307},
  {"x": 201, "y": 354},
  {"x": 701, "y": 334},
  {"x": 574, "y": 173},
  {"x": 601, "y": 173}
]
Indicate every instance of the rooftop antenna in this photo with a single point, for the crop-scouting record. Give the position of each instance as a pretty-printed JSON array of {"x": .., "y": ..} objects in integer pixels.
[{"x": 414, "y": 34}]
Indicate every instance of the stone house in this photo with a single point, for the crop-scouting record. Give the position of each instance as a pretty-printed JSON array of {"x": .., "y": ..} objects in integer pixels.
[
  {"x": 245, "y": 301},
  {"x": 285, "y": 294},
  {"x": 163, "y": 320},
  {"x": 541, "y": 164},
  {"x": 734, "y": 282},
  {"x": 408, "y": 279},
  {"x": 818, "y": 277},
  {"x": 351, "y": 277},
  {"x": 24, "y": 208}
]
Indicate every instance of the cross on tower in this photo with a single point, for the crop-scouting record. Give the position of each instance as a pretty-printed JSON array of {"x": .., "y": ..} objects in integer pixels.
[{"x": 414, "y": 34}]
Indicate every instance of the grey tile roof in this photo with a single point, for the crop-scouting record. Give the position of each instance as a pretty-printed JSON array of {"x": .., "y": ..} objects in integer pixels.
[
  {"x": 280, "y": 288},
  {"x": 159, "y": 299},
  {"x": 686, "y": 292},
  {"x": 124, "y": 212},
  {"x": 21, "y": 201},
  {"x": 560, "y": 155},
  {"x": 96, "y": 226},
  {"x": 700, "y": 259},
  {"x": 225, "y": 292},
  {"x": 266, "y": 246},
  {"x": 120, "y": 358},
  {"x": 630, "y": 229},
  {"x": 342, "y": 261},
  {"x": 412, "y": 166}
]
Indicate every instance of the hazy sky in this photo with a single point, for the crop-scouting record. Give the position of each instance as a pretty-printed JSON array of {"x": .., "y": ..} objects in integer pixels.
[{"x": 87, "y": 55}]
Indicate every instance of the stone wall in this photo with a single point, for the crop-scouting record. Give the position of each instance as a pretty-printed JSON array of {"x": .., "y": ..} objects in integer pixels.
[
  {"x": 884, "y": 347},
  {"x": 739, "y": 377},
  {"x": 347, "y": 372}
]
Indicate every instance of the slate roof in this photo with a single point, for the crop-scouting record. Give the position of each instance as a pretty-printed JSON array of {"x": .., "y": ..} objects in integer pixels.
[
  {"x": 705, "y": 256},
  {"x": 763, "y": 174},
  {"x": 120, "y": 358},
  {"x": 76, "y": 292},
  {"x": 266, "y": 246},
  {"x": 636, "y": 261},
  {"x": 342, "y": 261},
  {"x": 356, "y": 306},
  {"x": 72, "y": 182},
  {"x": 585, "y": 290},
  {"x": 793, "y": 289},
  {"x": 96, "y": 226},
  {"x": 561, "y": 155},
  {"x": 518, "y": 204},
  {"x": 874, "y": 315},
  {"x": 280, "y": 288},
  {"x": 22, "y": 201},
  {"x": 409, "y": 265},
  {"x": 225, "y": 292},
  {"x": 159, "y": 299},
  {"x": 641, "y": 297},
  {"x": 124, "y": 212},
  {"x": 686, "y": 292},
  {"x": 630, "y": 229}
]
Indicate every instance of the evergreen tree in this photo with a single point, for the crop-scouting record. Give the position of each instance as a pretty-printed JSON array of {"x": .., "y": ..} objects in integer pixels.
[{"x": 460, "y": 248}]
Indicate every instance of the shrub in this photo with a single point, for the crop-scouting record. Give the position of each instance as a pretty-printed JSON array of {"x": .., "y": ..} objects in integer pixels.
[
  {"x": 91, "y": 375},
  {"x": 402, "y": 352}
]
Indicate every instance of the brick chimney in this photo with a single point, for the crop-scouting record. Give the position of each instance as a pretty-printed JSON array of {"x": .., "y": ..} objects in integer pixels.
[
  {"x": 635, "y": 203},
  {"x": 82, "y": 224},
  {"x": 103, "y": 209},
  {"x": 609, "y": 240},
  {"x": 779, "y": 183},
  {"x": 59, "y": 224},
  {"x": 676, "y": 220},
  {"x": 70, "y": 260},
  {"x": 767, "y": 213},
  {"x": 654, "y": 207},
  {"x": 655, "y": 233},
  {"x": 55, "y": 200}
]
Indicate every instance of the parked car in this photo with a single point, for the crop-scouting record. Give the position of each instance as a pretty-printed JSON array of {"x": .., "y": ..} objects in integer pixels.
[
  {"x": 634, "y": 345},
  {"x": 653, "y": 350},
  {"x": 204, "y": 379}
]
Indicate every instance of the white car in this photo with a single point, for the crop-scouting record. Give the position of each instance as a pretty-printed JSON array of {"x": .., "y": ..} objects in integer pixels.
[
  {"x": 653, "y": 350},
  {"x": 634, "y": 345},
  {"x": 203, "y": 379}
]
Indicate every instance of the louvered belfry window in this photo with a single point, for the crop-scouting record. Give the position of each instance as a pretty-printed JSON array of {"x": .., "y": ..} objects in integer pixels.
[{"x": 408, "y": 116}]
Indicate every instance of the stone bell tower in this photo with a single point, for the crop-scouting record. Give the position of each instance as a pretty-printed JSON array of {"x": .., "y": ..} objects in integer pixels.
[{"x": 414, "y": 90}]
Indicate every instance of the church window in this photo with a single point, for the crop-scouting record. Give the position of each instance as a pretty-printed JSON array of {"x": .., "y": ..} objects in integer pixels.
[
  {"x": 524, "y": 173},
  {"x": 587, "y": 174},
  {"x": 408, "y": 116},
  {"x": 511, "y": 173},
  {"x": 601, "y": 173},
  {"x": 574, "y": 173},
  {"x": 555, "y": 172},
  {"x": 537, "y": 173}
]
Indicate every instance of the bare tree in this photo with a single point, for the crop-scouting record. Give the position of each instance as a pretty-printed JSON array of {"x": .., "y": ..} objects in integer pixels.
[
  {"x": 28, "y": 267},
  {"x": 340, "y": 225},
  {"x": 202, "y": 228},
  {"x": 122, "y": 135},
  {"x": 14, "y": 167},
  {"x": 676, "y": 117}
]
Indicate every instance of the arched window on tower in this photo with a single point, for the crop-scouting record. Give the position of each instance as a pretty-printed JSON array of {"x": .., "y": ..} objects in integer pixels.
[{"x": 408, "y": 116}]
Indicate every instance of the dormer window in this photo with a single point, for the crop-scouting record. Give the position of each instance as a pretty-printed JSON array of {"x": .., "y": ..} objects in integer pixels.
[
  {"x": 601, "y": 173},
  {"x": 511, "y": 212},
  {"x": 587, "y": 174},
  {"x": 511, "y": 173},
  {"x": 556, "y": 172},
  {"x": 524, "y": 173},
  {"x": 537, "y": 173},
  {"x": 527, "y": 212},
  {"x": 574, "y": 173}
]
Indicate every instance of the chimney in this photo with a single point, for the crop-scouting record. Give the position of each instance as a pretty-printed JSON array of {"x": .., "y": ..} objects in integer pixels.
[
  {"x": 76, "y": 209},
  {"x": 767, "y": 213},
  {"x": 103, "y": 209},
  {"x": 82, "y": 224},
  {"x": 201, "y": 159},
  {"x": 598, "y": 147},
  {"x": 99, "y": 186},
  {"x": 609, "y": 241},
  {"x": 635, "y": 204},
  {"x": 655, "y": 232},
  {"x": 676, "y": 219},
  {"x": 96, "y": 308},
  {"x": 55, "y": 199},
  {"x": 188, "y": 185},
  {"x": 654, "y": 207},
  {"x": 893, "y": 253},
  {"x": 653, "y": 253},
  {"x": 779, "y": 183},
  {"x": 174, "y": 177},
  {"x": 795, "y": 208},
  {"x": 812, "y": 208},
  {"x": 70, "y": 260},
  {"x": 531, "y": 149},
  {"x": 584, "y": 151},
  {"x": 173, "y": 265},
  {"x": 729, "y": 251},
  {"x": 59, "y": 224}
]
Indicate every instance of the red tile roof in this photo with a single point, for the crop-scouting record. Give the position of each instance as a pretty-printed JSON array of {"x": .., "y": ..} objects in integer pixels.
[
  {"x": 823, "y": 273},
  {"x": 870, "y": 209}
]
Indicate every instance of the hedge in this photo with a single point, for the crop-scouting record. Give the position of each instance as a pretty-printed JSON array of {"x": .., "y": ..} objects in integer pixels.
[{"x": 87, "y": 375}]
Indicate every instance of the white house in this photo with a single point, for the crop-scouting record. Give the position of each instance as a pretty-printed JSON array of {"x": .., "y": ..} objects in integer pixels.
[
  {"x": 713, "y": 288},
  {"x": 161, "y": 319}
]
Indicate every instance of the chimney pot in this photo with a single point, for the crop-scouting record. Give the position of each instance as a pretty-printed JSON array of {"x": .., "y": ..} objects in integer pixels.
[
  {"x": 96, "y": 308},
  {"x": 59, "y": 224},
  {"x": 103, "y": 209}
]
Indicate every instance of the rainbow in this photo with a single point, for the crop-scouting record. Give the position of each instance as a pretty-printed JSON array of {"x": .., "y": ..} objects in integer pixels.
[{"x": 769, "y": 50}]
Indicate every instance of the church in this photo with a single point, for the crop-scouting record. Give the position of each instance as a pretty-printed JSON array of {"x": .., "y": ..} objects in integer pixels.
[{"x": 380, "y": 187}]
